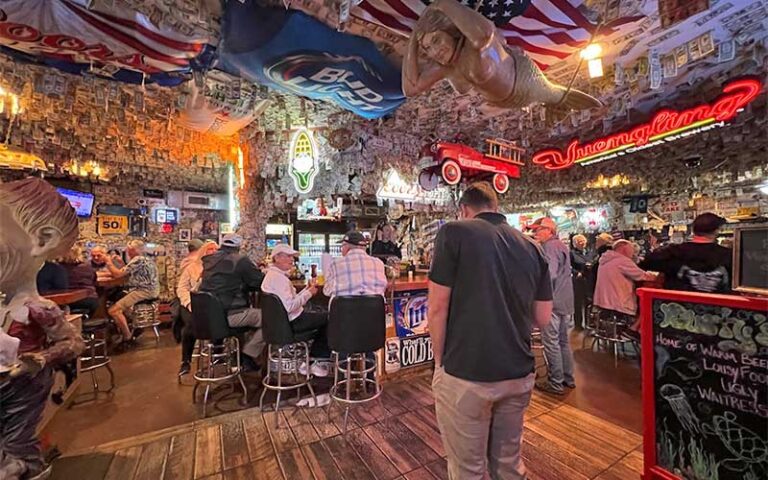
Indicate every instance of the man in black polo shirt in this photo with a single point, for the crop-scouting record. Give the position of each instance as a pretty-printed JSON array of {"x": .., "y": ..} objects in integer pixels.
[
  {"x": 487, "y": 286},
  {"x": 700, "y": 265}
]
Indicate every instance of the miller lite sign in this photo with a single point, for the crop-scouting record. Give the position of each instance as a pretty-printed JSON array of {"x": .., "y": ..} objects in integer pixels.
[{"x": 295, "y": 53}]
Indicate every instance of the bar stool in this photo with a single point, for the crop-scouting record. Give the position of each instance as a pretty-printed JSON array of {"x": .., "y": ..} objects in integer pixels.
[
  {"x": 95, "y": 355},
  {"x": 356, "y": 327},
  {"x": 536, "y": 344},
  {"x": 284, "y": 348},
  {"x": 608, "y": 329},
  {"x": 219, "y": 348},
  {"x": 145, "y": 315}
]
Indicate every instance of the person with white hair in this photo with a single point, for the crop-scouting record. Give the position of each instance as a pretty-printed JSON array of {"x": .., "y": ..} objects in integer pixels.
[
  {"x": 142, "y": 284},
  {"x": 617, "y": 274},
  {"x": 581, "y": 263}
]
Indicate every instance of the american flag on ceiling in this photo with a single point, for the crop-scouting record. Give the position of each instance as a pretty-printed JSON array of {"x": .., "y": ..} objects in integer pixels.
[{"x": 548, "y": 30}]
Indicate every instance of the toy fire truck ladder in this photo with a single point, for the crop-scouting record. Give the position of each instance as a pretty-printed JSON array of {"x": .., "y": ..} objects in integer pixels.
[{"x": 505, "y": 151}]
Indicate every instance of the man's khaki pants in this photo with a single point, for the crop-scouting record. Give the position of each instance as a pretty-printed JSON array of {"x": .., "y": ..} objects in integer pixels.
[{"x": 481, "y": 424}]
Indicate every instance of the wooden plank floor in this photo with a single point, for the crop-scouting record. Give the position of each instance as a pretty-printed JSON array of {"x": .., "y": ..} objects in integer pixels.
[{"x": 397, "y": 438}]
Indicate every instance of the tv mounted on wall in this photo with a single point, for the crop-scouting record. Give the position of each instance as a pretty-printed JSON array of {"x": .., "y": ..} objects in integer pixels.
[{"x": 82, "y": 202}]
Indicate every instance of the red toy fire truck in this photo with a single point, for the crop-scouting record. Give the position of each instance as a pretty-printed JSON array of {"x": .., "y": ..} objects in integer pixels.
[{"x": 454, "y": 161}]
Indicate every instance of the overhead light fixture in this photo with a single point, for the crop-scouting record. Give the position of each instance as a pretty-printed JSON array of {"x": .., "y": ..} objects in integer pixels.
[
  {"x": 90, "y": 169},
  {"x": 763, "y": 187},
  {"x": 15, "y": 159},
  {"x": 592, "y": 53}
]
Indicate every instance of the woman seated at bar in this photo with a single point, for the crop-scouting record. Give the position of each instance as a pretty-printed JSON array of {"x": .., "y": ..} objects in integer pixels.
[
  {"x": 81, "y": 275},
  {"x": 615, "y": 289},
  {"x": 189, "y": 281},
  {"x": 302, "y": 316},
  {"x": 51, "y": 278}
]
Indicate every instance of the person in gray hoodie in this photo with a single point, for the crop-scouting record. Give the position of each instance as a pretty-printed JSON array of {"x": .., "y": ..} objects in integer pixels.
[{"x": 554, "y": 337}]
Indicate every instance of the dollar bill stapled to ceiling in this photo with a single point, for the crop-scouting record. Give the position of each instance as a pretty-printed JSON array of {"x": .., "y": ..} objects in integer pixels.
[
  {"x": 217, "y": 103},
  {"x": 295, "y": 53},
  {"x": 111, "y": 41},
  {"x": 453, "y": 42}
]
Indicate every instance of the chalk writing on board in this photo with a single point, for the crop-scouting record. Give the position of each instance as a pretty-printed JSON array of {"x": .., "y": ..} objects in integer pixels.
[{"x": 711, "y": 367}]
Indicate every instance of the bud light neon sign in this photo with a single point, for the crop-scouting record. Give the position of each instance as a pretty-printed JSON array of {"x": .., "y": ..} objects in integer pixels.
[{"x": 665, "y": 126}]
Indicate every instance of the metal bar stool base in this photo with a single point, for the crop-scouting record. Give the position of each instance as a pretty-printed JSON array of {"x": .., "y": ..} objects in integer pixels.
[
  {"x": 353, "y": 376},
  {"x": 210, "y": 363},
  {"x": 275, "y": 383}
]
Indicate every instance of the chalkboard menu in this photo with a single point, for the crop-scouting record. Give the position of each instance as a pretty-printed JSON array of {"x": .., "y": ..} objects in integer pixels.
[
  {"x": 711, "y": 390},
  {"x": 751, "y": 259}
]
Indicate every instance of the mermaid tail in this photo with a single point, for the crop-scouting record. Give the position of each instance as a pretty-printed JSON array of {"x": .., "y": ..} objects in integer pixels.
[{"x": 531, "y": 86}]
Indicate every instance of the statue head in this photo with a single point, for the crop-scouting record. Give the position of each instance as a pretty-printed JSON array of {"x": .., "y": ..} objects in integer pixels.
[
  {"x": 439, "y": 46},
  {"x": 37, "y": 224}
]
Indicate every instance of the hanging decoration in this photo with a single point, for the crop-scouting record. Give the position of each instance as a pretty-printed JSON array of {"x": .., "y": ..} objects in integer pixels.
[
  {"x": 304, "y": 164},
  {"x": 454, "y": 161},
  {"x": 666, "y": 126}
]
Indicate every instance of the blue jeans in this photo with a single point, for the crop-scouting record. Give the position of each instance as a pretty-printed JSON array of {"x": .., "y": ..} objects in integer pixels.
[{"x": 554, "y": 337}]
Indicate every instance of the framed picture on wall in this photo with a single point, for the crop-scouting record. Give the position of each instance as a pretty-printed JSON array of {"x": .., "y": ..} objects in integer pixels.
[{"x": 185, "y": 234}]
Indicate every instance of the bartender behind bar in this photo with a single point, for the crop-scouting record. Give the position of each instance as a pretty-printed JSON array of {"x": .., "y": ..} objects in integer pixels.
[{"x": 385, "y": 247}]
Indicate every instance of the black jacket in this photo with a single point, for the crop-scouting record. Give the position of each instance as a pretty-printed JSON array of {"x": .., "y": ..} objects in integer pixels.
[{"x": 230, "y": 276}]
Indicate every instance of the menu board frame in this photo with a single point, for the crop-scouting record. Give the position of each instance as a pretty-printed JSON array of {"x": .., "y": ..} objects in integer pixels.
[
  {"x": 651, "y": 469},
  {"x": 737, "y": 246}
]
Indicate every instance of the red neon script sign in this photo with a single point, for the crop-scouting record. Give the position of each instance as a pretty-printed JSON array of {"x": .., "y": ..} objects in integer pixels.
[{"x": 666, "y": 124}]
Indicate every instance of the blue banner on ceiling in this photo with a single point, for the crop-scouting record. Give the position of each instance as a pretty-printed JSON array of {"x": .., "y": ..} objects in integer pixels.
[{"x": 295, "y": 53}]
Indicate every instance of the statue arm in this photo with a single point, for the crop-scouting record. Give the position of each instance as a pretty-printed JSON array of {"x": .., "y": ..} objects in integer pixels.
[
  {"x": 414, "y": 80},
  {"x": 477, "y": 29}
]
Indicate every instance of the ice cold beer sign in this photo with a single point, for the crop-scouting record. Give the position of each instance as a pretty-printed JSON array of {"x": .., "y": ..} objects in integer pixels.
[{"x": 415, "y": 350}]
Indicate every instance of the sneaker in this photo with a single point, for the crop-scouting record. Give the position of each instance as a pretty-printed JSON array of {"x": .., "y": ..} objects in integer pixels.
[
  {"x": 570, "y": 385},
  {"x": 547, "y": 387},
  {"x": 322, "y": 400},
  {"x": 316, "y": 369},
  {"x": 184, "y": 369}
]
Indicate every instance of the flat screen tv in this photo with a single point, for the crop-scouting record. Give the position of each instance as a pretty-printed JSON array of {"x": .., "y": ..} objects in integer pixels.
[{"x": 82, "y": 202}]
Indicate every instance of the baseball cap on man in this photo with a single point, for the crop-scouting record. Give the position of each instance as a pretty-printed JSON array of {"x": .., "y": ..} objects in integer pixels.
[
  {"x": 707, "y": 223},
  {"x": 284, "y": 249},
  {"x": 544, "y": 222},
  {"x": 604, "y": 239},
  {"x": 232, "y": 240},
  {"x": 355, "y": 238}
]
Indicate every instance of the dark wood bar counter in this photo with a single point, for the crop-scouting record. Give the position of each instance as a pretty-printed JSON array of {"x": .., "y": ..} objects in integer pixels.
[{"x": 419, "y": 282}]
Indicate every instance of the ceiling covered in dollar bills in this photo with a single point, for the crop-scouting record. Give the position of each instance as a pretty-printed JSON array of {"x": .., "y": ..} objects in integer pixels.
[{"x": 179, "y": 109}]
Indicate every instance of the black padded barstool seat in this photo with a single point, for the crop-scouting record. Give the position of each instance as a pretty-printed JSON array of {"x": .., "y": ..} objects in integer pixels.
[
  {"x": 356, "y": 329},
  {"x": 219, "y": 358},
  {"x": 94, "y": 323},
  {"x": 283, "y": 344}
]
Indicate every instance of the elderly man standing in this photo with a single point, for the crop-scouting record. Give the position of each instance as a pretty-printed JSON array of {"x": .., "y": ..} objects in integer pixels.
[
  {"x": 355, "y": 272},
  {"x": 142, "y": 284},
  {"x": 555, "y": 335},
  {"x": 581, "y": 263}
]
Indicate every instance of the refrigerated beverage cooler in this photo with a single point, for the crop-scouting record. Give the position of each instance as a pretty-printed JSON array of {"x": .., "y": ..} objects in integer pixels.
[{"x": 312, "y": 246}]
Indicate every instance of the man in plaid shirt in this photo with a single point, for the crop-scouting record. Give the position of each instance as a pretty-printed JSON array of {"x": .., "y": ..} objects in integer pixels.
[{"x": 355, "y": 272}]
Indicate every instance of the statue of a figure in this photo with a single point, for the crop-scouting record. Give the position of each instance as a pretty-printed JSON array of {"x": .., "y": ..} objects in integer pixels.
[
  {"x": 466, "y": 49},
  {"x": 36, "y": 223}
]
